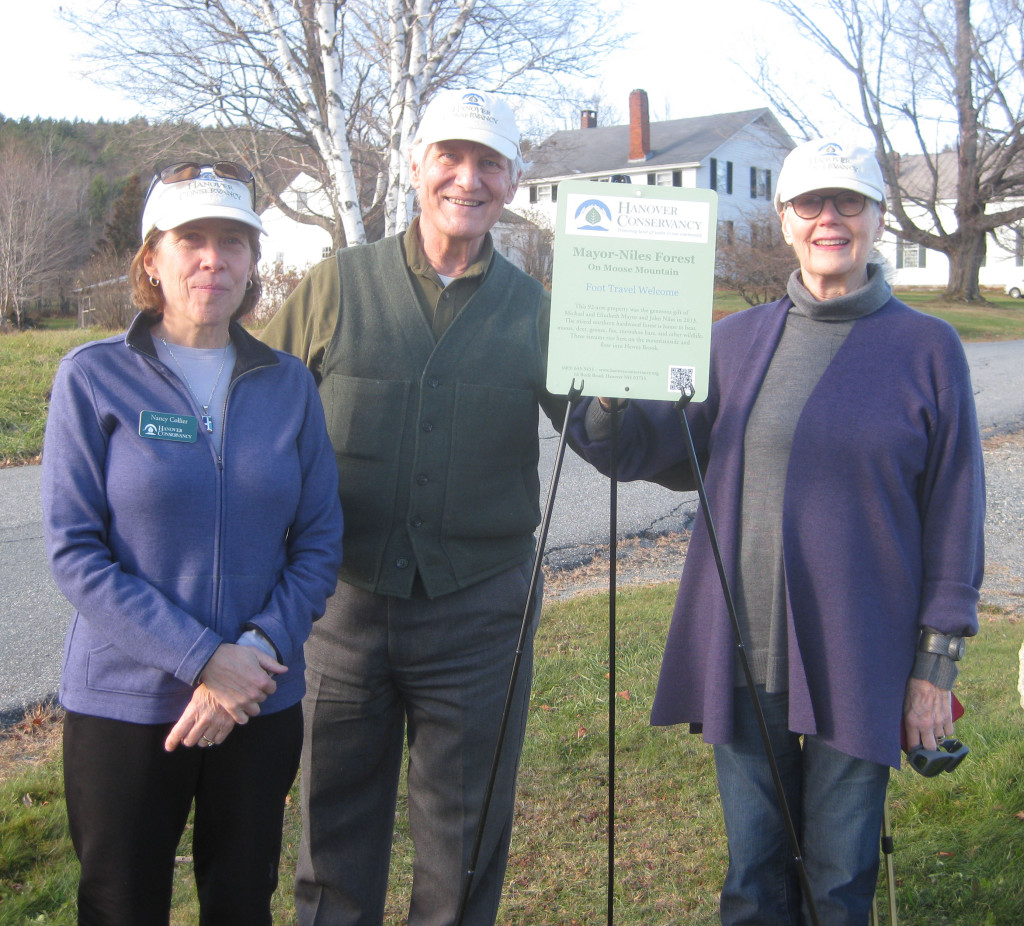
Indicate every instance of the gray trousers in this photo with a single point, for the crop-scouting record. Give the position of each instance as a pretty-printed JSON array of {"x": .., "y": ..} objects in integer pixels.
[{"x": 377, "y": 667}]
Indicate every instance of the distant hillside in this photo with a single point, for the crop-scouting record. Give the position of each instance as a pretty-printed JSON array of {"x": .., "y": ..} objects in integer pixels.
[
  {"x": 95, "y": 166},
  {"x": 111, "y": 152}
]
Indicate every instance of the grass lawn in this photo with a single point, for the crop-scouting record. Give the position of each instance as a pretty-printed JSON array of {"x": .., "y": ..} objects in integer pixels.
[{"x": 959, "y": 856}]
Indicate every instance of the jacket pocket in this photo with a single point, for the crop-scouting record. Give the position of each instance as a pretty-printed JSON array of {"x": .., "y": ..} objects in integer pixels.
[
  {"x": 109, "y": 670},
  {"x": 493, "y": 485},
  {"x": 366, "y": 424}
]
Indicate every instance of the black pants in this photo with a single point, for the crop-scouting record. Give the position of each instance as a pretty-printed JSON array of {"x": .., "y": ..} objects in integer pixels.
[{"x": 128, "y": 801}]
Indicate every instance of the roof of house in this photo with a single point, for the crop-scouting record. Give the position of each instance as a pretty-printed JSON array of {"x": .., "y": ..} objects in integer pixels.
[
  {"x": 928, "y": 177},
  {"x": 676, "y": 142}
]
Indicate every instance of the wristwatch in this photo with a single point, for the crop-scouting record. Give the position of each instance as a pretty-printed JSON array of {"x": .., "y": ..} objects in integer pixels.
[{"x": 944, "y": 644}]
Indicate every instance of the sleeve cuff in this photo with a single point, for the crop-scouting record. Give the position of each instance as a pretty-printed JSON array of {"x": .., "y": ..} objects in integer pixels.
[
  {"x": 258, "y": 639},
  {"x": 599, "y": 422},
  {"x": 940, "y": 670}
]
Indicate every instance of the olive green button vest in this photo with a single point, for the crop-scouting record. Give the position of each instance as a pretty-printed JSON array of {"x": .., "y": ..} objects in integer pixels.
[{"x": 436, "y": 441}]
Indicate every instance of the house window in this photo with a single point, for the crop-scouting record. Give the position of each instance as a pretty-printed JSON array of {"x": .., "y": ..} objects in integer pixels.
[
  {"x": 726, "y": 231},
  {"x": 721, "y": 176},
  {"x": 664, "y": 178},
  {"x": 544, "y": 193},
  {"x": 760, "y": 183},
  {"x": 909, "y": 255},
  {"x": 302, "y": 201},
  {"x": 326, "y": 251}
]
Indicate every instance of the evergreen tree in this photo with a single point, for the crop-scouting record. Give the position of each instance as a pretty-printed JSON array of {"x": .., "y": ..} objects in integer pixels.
[{"x": 121, "y": 235}]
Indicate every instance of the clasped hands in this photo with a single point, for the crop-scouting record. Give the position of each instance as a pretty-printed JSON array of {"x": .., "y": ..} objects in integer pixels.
[{"x": 232, "y": 686}]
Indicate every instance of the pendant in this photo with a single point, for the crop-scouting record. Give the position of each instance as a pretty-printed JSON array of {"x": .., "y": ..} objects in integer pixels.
[{"x": 208, "y": 424}]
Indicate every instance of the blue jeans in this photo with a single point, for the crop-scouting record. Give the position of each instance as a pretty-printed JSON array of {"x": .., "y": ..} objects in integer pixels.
[{"x": 836, "y": 802}]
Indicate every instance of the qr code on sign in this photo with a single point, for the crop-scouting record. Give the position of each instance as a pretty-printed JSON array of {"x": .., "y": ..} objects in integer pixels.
[{"x": 680, "y": 379}]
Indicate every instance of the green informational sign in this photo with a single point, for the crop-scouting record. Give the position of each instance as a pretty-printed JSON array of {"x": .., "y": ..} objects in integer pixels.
[{"x": 632, "y": 290}]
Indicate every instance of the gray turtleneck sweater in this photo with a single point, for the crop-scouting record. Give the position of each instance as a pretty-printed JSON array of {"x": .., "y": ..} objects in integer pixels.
[{"x": 814, "y": 332}]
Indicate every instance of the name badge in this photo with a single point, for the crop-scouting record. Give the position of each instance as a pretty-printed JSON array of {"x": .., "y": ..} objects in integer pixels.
[{"x": 165, "y": 426}]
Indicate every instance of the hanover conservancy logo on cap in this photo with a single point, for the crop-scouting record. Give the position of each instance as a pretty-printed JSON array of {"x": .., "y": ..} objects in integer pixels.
[
  {"x": 831, "y": 157},
  {"x": 203, "y": 188},
  {"x": 474, "y": 106}
]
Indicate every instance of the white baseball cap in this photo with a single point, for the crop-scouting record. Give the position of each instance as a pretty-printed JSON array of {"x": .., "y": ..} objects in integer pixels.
[
  {"x": 470, "y": 115},
  {"x": 208, "y": 195},
  {"x": 828, "y": 163}
]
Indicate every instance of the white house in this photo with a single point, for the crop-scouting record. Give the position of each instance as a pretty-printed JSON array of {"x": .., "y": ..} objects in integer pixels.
[
  {"x": 288, "y": 244},
  {"x": 737, "y": 154},
  {"x": 912, "y": 264}
]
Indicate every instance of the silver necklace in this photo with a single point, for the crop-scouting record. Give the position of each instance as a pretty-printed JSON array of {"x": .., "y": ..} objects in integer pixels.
[{"x": 207, "y": 420}]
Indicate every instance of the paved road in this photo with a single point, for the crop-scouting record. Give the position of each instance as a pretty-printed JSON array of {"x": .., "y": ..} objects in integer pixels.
[{"x": 34, "y": 615}]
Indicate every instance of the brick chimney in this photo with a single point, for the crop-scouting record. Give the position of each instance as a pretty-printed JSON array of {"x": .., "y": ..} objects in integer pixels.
[
  {"x": 639, "y": 126},
  {"x": 588, "y": 118}
]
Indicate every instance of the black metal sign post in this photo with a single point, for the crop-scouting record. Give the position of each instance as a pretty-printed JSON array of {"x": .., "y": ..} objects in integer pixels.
[
  {"x": 794, "y": 842},
  {"x": 538, "y": 560},
  {"x": 613, "y": 552}
]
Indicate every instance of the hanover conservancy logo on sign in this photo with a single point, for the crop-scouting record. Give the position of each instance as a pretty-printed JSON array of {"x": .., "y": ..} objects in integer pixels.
[
  {"x": 630, "y": 216},
  {"x": 588, "y": 216}
]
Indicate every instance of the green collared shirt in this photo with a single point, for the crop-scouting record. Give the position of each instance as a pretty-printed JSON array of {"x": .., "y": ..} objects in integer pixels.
[{"x": 442, "y": 303}]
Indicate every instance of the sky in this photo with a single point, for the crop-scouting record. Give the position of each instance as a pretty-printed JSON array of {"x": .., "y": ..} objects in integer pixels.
[
  {"x": 680, "y": 55},
  {"x": 39, "y": 75}
]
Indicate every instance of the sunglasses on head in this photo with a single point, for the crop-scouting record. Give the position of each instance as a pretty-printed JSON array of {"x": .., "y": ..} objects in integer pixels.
[{"x": 193, "y": 170}]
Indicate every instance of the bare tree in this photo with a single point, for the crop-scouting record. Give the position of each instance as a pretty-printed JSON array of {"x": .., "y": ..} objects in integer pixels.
[
  {"x": 334, "y": 88},
  {"x": 103, "y": 293},
  {"x": 531, "y": 245},
  {"x": 937, "y": 72},
  {"x": 278, "y": 284},
  {"x": 42, "y": 209},
  {"x": 752, "y": 259}
]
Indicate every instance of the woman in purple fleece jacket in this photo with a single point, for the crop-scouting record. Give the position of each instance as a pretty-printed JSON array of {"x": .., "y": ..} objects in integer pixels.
[
  {"x": 191, "y": 510},
  {"x": 845, "y": 479}
]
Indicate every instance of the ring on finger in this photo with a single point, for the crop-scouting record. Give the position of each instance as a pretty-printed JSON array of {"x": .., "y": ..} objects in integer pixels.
[{"x": 208, "y": 741}]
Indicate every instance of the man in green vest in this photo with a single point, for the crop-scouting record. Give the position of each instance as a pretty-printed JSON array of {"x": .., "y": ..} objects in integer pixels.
[{"x": 429, "y": 350}]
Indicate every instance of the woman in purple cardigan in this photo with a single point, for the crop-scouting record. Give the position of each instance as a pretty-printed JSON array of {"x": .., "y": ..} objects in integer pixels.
[{"x": 845, "y": 480}]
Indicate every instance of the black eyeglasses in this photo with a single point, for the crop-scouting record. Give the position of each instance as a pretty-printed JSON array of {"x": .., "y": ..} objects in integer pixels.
[
  {"x": 192, "y": 170},
  {"x": 847, "y": 203}
]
